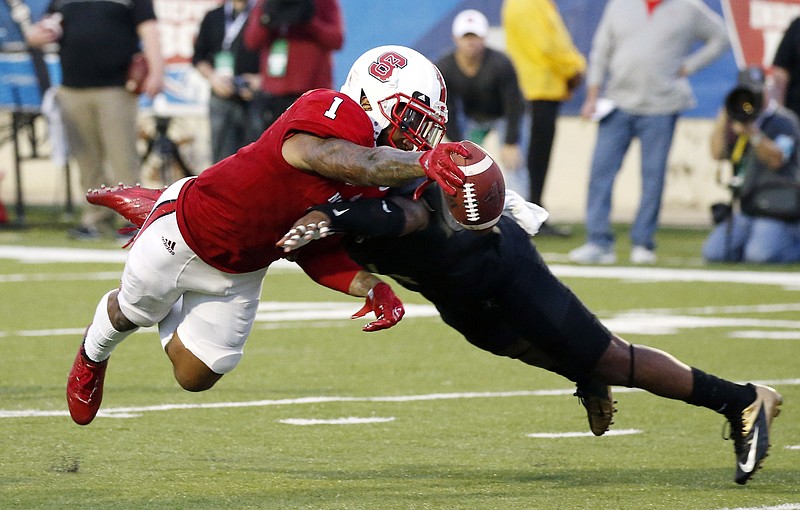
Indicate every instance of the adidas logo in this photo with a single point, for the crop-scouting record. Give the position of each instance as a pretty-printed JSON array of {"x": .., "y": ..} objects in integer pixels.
[{"x": 169, "y": 245}]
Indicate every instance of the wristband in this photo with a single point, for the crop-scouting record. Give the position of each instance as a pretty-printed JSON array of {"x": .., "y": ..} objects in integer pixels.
[{"x": 371, "y": 217}]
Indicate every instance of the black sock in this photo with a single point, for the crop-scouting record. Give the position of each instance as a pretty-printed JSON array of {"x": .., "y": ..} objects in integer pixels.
[{"x": 720, "y": 395}]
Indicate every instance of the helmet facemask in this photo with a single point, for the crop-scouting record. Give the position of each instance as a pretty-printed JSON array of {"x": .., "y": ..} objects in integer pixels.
[{"x": 414, "y": 118}]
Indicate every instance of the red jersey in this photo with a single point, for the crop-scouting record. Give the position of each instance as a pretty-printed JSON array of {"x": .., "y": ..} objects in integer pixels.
[{"x": 234, "y": 212}]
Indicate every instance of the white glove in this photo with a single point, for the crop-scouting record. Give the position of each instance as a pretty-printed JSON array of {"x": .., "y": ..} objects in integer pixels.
[
  {"x": 528, "y": 215},
  {"x": 300, "y": 235}
]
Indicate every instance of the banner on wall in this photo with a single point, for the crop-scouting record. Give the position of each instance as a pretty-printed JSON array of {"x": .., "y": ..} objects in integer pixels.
[{"x": 756, "y": 28}]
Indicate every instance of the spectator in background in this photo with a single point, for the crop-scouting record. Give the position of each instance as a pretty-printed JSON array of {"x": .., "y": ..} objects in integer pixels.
[
  {"x": 786, "y": 68},
  {"x": 758, "y": 140},
  {"x": 232, "y": 72},
  {"x": 549, "y": 68},
  {"x": 646, "y": 49},
  {"x": 99, "y": 114},
  {"x": 296, "y": 40},
  {"x": 483, "y": 94}
]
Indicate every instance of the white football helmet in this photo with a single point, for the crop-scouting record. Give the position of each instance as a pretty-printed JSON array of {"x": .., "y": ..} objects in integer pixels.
[{"x": 404, "y": 90}]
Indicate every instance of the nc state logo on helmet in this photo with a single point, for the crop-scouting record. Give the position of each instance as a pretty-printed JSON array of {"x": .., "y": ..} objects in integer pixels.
[{"x": 402, "y": 90}]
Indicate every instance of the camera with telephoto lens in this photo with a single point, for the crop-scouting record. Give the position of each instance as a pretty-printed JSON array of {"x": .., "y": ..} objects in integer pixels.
[{"x": 743, "y": 104}]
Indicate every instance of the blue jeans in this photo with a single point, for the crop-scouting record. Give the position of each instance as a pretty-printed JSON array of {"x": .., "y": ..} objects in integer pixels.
[
  {"x": 614, "y": 136},
  {"x": 753, "y": 239}
]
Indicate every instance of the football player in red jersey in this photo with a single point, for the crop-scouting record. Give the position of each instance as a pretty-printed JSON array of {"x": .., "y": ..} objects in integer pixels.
[{"x": 197, "y": 264}]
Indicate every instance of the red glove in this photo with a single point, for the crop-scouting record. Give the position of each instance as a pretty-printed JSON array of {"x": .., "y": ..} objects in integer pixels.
[
  {"x": 387, "y": 307},
  {"x": 440, "y": 167}
]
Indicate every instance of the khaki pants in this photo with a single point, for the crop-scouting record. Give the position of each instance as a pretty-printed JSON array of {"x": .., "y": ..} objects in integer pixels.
[{"x": 100, "y": 124}]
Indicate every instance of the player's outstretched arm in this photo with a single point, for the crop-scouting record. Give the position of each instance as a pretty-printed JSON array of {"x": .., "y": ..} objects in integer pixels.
[
  {"x": 373, "y": 166},
  {"x": 381, "y": 300},
  {"x": 371, "y": 217},
  {"x": 330, "y": 266}
]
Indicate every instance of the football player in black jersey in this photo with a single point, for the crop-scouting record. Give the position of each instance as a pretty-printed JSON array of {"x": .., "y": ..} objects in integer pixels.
[{"x": 496, "y": 290}]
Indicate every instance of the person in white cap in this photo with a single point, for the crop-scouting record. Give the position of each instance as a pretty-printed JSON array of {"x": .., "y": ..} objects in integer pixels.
[{"x": 483, "y": 95}]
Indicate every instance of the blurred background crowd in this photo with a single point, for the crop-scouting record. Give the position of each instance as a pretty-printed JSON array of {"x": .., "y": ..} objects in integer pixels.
[{"x": 603, "y": 111}]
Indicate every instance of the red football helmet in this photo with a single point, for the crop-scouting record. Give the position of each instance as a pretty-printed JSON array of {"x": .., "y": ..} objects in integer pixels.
[{"x": 404, "y": 90}]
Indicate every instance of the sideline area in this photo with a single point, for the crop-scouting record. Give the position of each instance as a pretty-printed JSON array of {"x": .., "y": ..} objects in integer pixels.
[{"x": 786, "y": 279}]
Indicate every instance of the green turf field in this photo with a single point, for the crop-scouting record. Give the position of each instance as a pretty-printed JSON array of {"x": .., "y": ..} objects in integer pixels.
[{"x": 319, "y": 415}]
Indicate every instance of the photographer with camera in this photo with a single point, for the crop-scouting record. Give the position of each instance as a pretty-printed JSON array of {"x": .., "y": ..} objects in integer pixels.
[
  {"x": 232, "y": 72},
  {"x": 760, "y": 139}
]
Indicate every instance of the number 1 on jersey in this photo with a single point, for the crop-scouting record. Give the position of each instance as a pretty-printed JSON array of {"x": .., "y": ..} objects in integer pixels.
[{"x": 331, "y": 113}]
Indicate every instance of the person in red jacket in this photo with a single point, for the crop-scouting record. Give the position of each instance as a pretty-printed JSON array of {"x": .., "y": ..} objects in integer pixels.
[{"x": 296, "y": 41}]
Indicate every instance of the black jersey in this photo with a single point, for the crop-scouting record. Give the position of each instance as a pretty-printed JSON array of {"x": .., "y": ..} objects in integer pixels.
[
  {"x": 493, "y": 288},
  {"x": 440, "y": 260}
]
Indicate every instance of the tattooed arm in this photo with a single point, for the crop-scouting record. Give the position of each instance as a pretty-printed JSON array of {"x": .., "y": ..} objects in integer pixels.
[{"x": 373, "y": 166}]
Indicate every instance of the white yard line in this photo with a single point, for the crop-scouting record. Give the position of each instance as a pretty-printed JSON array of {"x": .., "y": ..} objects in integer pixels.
[
  {"x": 128, "y": 412},
  {"x": 59, "y": 277},
  {"x": 350, "y": 420},
  {"x": 41, "y": 255},
  {"x": 655, "y": 274},
  {"x": 647, "y": 274},
  {"x": 560, "y": 435},
  {"x": 131, "y": 411}
]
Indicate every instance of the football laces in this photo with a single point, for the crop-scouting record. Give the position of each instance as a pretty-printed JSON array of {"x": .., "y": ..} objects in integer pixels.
[{"x": 471, "y": 202}]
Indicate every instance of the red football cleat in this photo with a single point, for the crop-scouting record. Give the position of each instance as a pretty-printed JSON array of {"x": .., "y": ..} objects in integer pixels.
[
  {"x": 134, "y": 203},
  {"x": 85, "y": 388}
]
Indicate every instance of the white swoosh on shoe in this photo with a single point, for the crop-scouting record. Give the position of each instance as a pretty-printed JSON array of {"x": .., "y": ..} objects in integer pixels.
[{"x": 748, "y": 466}]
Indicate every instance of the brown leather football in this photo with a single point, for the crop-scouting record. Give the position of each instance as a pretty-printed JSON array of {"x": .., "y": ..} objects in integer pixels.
[{"x": 479, "y": 204}]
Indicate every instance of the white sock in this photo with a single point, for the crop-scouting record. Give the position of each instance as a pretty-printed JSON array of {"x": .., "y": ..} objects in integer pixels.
[{"x": 102, "y": 338}]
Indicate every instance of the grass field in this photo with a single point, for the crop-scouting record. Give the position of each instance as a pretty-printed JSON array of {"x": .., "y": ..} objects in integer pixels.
[{"x": 322, "y": 416}]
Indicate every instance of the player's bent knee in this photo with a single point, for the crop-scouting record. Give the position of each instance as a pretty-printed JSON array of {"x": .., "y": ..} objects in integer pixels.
[
  {"x": 196, "y": 381},
  {"x": 192, "y": 373}
]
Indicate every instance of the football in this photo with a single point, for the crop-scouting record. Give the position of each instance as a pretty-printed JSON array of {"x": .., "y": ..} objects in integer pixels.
[{"x": 479, "y": 204}]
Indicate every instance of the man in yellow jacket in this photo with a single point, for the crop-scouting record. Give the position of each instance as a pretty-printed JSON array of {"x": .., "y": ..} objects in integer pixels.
[{"x": 549, "y": 67}]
